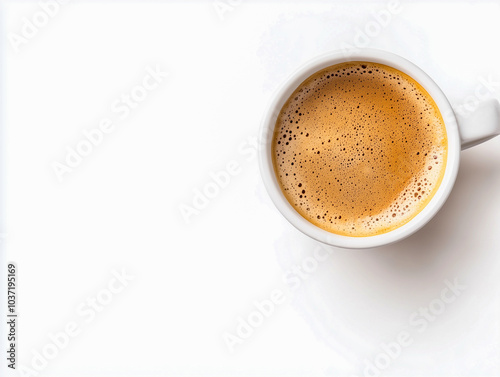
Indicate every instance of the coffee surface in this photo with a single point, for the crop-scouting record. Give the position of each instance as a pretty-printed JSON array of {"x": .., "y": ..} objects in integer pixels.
[{"x": 359, "y": 149}]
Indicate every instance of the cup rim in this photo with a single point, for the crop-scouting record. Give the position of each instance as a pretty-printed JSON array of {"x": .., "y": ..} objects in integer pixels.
[{"x": 267, "y": 129}]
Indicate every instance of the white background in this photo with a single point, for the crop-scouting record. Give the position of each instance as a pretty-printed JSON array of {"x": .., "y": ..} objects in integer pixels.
[{"x": 119, "y": 209}]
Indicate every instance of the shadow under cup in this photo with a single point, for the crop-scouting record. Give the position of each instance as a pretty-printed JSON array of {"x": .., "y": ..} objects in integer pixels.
[{"x": 266, "y": 155}]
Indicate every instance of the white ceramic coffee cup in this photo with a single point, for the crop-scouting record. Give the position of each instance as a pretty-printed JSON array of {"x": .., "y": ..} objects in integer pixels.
[{"x": 463, "y": 132}]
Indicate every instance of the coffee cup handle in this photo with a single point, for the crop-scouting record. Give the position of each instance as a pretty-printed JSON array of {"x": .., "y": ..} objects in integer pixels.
[{"x": 480, "y": 125}]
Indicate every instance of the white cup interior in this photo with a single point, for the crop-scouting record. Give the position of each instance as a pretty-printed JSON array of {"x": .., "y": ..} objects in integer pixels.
[{"x": 267, "y": 130}]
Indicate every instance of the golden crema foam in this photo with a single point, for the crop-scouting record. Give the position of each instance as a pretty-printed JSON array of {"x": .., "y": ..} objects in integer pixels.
[{"x": 359, "y": 149}]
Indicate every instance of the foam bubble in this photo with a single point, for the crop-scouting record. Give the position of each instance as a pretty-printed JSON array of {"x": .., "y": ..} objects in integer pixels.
[{"x": 359, "y": 148}]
